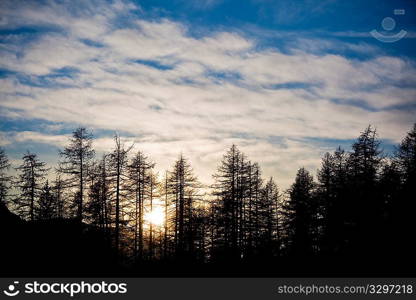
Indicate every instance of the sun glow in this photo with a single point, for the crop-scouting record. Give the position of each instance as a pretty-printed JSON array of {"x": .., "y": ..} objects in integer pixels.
[{"x": 156, "y": 217}]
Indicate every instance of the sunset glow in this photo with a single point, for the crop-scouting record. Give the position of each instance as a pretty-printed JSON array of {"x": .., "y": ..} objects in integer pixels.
[{"x": 156, "y": 217}]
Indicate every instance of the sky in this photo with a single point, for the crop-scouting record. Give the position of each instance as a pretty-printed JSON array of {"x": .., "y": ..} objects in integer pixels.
[{"x": 286, "y": 81}]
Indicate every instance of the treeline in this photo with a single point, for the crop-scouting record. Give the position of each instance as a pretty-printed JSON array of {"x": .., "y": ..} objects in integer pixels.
[{"x": 361, "y": 204}]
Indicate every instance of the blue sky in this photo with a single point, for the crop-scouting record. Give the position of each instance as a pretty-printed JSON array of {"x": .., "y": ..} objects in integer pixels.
[{"x": 284, "y": 80}]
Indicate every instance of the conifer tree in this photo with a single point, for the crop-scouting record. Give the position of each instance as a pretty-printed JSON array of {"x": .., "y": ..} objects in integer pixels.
[
  {"x": 183, "y": 187},
  {"x": 46, "y": 209},
  {"x": 139, "y": 174},
  {"x": 5, "y": 179},
  {"x": 32, "y": 173},
  {"x": 300, "y": 215},
  {"x": 76, "y": 160},
  {"x": 364, "y": 212},
  {"x": 118, "y": 162}
]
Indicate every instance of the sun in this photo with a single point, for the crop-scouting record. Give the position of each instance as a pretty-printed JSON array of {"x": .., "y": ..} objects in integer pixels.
[{"x": 156, "y": 217}]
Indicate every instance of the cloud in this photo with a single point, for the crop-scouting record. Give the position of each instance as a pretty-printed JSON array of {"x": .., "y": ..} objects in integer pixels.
[
  {"x": 169, "y": 91},
  {"x": 292, "y": 12},
  {"x": 32, "y": 136},
  {"x": 364, "y": 34},
  {"x": 202, "y": 4}
]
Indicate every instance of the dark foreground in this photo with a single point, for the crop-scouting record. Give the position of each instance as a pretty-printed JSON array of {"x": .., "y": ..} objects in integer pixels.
[{"x": 67, "y": 248}]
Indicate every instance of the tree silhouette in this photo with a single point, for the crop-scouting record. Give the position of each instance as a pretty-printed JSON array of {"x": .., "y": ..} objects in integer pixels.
[
  {"x": 300, "y": 213},
  {"x": 333, "y": 194},
  {"x": 405, "y": 159},
  {"x": 32, "y": 172},
  {"x": 183, "y": 189},
  {"x": 5, "y": 179},
  {"x": 270, "y": 227},
  {"x": 365, "y": 206},
  {"x": 46, "y": 209},
  {"x": 58, "y": 188},
  {"x": 77, "y": 158},
  {"x": 139, "y": 173},
  {"x": 152, "y": 194},
  {"x": 118, "y": 162},
  {"x": 229, "y": 192},
  {"x": 99, "y": 195},
  {"x": 245, "y": 215}
]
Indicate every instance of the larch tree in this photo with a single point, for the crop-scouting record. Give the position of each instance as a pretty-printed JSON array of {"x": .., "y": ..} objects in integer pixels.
[
  {"x": 365, "y": 207},
  {"x": 270, "y": 227},
  {"x": 255, "y": 207},
  {"x": 225, "y": 189},
  {"x": 76, "y": 160},
  {"x": 406, "y": 156},
  {"x": 393, "y": 215},
  {"x": 118, "y": 162},
  {"x": 299, "y": 215},
  {"x": 332, "y": 191},
  {"x": 166, "y": 217},
  {"x": 139, "y": 175},
  {"x": 46, "y": 208},
  {"x": 5, "y": 179},
  {"x": 238, "y": 206},
  {"x": 405, "y": 159},
  {"x": 98, "y": 204},
  {"x": 152, "y": 194},
  {"x": 31, "y": 174},
  {"x": 183, "y": 187},
  {"x": 58, "y": 188}
]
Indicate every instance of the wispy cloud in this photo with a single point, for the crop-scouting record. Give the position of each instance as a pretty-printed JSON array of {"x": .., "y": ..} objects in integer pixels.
[{"x": 202, "y": 4}]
